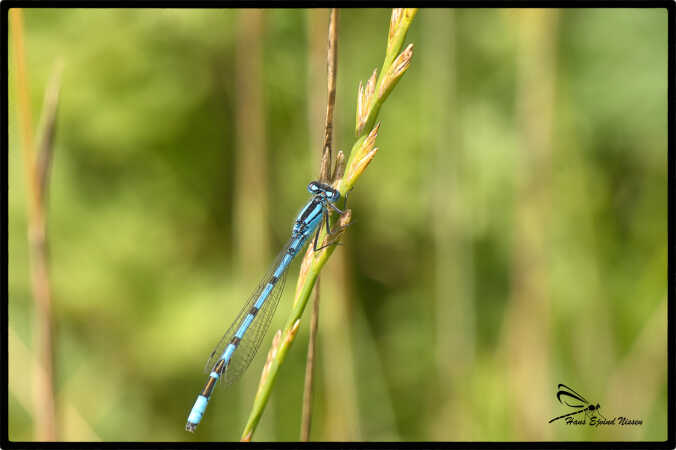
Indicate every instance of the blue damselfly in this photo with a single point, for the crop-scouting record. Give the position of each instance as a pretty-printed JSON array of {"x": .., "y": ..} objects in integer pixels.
[{"x": 239, "y": 344}]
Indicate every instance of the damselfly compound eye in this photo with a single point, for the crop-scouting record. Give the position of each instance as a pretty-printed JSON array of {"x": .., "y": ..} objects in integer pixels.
[
  {"x": 333, "y": 195},
  {"x": 314, "y": 188}
]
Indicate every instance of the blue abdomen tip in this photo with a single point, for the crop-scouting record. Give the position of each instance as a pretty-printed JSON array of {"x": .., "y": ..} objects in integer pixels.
[{"x": 196, "y": 413}]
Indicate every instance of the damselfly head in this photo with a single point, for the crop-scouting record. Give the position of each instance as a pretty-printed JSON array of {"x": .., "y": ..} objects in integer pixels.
[{"x": 317, "y": 188}]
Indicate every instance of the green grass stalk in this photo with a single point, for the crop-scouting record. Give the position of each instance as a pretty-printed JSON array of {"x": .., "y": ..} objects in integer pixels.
[{"x": 369, "y": 101}]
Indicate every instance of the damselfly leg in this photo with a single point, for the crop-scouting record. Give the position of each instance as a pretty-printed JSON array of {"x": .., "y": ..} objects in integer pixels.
[{"x": 335, "y": 233}]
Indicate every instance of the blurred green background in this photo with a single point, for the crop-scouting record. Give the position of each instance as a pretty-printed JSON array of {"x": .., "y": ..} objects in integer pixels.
[{"x": 510, "y": 234}]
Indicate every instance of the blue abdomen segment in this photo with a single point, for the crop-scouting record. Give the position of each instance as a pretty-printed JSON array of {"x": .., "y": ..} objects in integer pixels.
[
  {"x": 197, "y": 412},
  {"x": 245, "y": 325}
]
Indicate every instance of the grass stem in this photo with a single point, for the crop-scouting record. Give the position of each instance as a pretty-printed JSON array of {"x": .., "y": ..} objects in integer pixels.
[
  {"x": 363, "y": 151},
  {"x": 36, "y": 173},
  {"x": 325, "y": 172}
]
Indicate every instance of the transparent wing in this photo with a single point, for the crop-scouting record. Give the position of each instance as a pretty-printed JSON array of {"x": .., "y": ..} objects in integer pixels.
[{"x": 251, "y": 341}]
